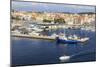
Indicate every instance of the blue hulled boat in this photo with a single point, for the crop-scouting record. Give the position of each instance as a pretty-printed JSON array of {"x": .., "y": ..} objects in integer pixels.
[{"x": 67, "y": 40}]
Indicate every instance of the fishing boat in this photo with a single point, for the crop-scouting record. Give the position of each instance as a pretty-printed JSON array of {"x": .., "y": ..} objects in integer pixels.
[{"x": 73, "y": 39}]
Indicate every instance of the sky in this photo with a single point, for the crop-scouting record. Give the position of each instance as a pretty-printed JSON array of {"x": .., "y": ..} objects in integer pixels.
[{"x": 50, "y": 7}]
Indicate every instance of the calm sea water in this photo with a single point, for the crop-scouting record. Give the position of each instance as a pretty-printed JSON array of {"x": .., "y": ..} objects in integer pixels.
[{"x": 37, "y": 51}]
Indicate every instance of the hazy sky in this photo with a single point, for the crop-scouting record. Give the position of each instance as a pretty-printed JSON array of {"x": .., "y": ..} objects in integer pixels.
[{"x": 41, "y": 7}]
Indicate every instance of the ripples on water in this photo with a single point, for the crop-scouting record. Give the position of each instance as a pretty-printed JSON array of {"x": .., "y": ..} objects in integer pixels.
[{"x": 37, "y": 51}]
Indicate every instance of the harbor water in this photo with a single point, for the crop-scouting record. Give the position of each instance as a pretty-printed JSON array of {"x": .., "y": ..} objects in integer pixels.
[{"x": 27, "y": 51}]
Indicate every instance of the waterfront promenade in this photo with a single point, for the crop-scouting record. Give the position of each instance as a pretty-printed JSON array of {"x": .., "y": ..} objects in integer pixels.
[{"x": 34, "y": 36}]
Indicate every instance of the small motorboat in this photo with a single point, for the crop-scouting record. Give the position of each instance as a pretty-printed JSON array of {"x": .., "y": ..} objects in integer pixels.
[
  {"x": 64, "y": 58},
  {"x": 71, "y": 39}
]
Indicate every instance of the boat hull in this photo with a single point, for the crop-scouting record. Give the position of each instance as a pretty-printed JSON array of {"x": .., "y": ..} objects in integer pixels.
[{"x": 67, "y": 41}]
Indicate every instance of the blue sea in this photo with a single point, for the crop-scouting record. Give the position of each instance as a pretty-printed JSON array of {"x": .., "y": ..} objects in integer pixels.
[{"x": 27, "y": 51}]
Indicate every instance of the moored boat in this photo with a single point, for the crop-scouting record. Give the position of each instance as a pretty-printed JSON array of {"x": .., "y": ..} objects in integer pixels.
[{"x": 71, "y": 40}]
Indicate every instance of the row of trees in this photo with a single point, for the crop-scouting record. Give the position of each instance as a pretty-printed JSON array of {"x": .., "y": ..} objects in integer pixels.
[{"x": 58, "y": 20}]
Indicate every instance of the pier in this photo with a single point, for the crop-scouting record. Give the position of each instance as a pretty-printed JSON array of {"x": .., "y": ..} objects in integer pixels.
[{"x": 33, "y": 36}]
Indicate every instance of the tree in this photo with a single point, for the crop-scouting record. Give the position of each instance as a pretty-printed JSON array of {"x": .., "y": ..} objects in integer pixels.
[
  {"x": 59, "y": 20},
  {"x": 45, "y": 20}
]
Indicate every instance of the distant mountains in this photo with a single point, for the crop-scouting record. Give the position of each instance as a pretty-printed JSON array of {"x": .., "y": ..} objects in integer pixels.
[
  {"x": 87, "y": 13},
  {"x": 44, "y": 7}
]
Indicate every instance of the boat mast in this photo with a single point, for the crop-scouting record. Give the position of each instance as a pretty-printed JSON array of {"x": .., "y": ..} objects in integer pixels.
[{"x": 64, "y": 31}]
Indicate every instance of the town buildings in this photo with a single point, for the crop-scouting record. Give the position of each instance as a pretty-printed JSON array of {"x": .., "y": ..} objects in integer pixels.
[{"x": 69, "y": 18}]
